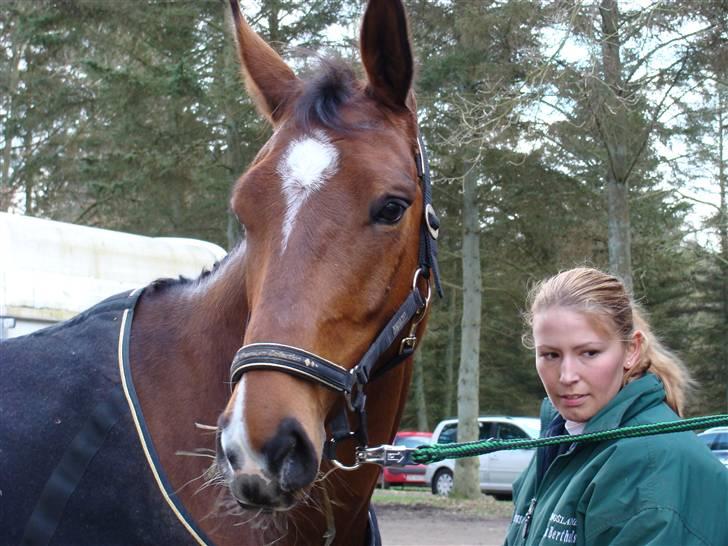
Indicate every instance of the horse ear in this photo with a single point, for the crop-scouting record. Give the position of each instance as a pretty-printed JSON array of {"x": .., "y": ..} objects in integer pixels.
[
  {"x": 268, "y": 78},
  {"x": 386, "y": 52}
]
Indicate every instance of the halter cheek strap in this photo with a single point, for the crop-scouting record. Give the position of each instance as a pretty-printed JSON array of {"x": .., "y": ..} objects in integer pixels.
[{"x": 430, "y": 228}]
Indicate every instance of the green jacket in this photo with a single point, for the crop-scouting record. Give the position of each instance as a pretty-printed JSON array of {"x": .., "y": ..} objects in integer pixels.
[{"x": 664, "y": 490}]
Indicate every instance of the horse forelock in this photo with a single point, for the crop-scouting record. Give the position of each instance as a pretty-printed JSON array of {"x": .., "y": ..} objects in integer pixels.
[{"x": 324, "y": 93}]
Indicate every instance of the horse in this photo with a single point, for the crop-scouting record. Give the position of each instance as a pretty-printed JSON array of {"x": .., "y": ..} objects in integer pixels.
[{"x": 297, "y": 345}]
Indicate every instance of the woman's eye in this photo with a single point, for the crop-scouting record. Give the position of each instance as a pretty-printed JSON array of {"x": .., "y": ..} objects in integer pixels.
[
  {"x": 591, "y": 353},
  {"x": 391, "y": 212},
  {"x": 549, "y": 356}
]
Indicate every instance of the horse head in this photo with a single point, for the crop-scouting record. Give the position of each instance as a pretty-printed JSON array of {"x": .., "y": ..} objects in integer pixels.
[{"x": 333, "y": 211}]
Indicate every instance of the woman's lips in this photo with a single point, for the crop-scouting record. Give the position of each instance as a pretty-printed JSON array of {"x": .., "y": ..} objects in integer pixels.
[{"x": 573, "y": 400}]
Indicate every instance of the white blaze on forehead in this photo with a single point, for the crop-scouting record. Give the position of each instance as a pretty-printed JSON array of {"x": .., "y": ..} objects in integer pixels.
[{"x": 306, "y": 166}]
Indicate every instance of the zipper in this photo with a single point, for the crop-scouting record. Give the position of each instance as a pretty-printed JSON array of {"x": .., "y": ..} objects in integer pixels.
[{"x": 527, "y": 518}]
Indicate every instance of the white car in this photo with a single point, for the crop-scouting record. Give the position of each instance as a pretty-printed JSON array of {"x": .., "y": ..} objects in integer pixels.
[
  {"x": 717, "y": 441},
  {"x": 498, "y": 470}
]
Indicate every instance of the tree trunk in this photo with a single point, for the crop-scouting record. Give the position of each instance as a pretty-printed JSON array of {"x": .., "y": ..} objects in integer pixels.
[
  {"x": 420, "y": 399},
  {"x": 274, "y": 23},
  {"x": 449, "y": 408},
  {"x": 467, "y": 470},
  {"x": 613, "y": 123},
  {"x": 619, "y": 237},
  {"x": 232, "y": 139},
  {"x": 6, "y": 189},
  {"x": 723, "y": 232}
]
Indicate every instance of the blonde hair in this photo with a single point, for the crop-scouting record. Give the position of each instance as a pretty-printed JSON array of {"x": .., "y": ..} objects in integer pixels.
[{"x": 605, "y": 298}]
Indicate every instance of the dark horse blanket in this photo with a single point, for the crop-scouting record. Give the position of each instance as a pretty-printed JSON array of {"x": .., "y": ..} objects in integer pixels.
[{"x": 76, "y": 462}]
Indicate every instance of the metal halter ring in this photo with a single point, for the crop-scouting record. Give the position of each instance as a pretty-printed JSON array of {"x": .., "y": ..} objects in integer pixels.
[
  {"x": 338, "y": 464},
  {"x": 417, "y": 276}
]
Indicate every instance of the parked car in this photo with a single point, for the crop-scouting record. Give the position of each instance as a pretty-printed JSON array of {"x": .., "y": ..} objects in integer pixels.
[
  {"x": 498, "y": 470},
  {"x": 717, "y": 441},
  {"x": 410, "y": 474}
]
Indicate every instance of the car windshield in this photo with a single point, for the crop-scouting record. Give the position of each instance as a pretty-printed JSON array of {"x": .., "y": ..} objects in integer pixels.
[
  {"x": 412, "y": 441},
  {"x": 720, "y": 442},
  {"x": 521, "y": 429}
]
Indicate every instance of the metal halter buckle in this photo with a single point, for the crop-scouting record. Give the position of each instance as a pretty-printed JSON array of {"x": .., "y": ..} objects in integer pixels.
[
  {"x": 385, "y": 455},
  {"x": 409, "y": 342}
]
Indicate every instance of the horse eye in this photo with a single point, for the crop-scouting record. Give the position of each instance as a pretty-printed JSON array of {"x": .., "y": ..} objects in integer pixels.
[{"x": 391, "y": 212}]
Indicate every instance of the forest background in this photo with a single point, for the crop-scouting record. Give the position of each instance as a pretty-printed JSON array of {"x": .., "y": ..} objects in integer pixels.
[{"x": 561, "y": 133}]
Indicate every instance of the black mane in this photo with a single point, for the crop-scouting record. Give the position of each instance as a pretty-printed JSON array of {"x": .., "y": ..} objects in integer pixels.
[{"x": 165, "y": 283}]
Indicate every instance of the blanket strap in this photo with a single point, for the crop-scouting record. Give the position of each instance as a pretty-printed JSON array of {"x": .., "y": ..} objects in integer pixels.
[{"x": 68, "y": 473}]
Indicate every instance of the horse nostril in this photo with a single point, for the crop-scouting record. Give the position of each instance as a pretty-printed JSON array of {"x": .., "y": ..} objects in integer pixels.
[
  {"x": 291, "y": 456},
  {"x": 233, "y": 459}
]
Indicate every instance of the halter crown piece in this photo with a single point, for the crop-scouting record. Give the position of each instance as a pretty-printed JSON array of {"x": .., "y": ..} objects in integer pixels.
[{"x": 312, "y": 367}]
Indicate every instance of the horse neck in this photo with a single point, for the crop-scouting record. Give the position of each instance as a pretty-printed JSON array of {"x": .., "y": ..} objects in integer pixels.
[
  {"x": 194, "y": 326},
  {"x": 183, "y": 338}
]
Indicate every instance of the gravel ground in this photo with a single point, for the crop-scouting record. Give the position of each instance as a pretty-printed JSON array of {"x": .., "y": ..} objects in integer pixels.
[{"x": 417, "y": 518}]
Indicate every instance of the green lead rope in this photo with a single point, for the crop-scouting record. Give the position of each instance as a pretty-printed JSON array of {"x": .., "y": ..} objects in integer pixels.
[{"x": 426, "y": 454}]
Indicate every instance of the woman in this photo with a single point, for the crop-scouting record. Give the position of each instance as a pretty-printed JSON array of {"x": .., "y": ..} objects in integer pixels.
[{"x": 603, "y": 368}]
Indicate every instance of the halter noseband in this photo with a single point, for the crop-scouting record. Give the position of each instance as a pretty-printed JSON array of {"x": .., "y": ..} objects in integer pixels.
[{"x": 312, "y": 367}]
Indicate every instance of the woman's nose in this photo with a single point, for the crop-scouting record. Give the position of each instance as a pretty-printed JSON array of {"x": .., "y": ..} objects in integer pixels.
[{"x": 568, "y": 371}]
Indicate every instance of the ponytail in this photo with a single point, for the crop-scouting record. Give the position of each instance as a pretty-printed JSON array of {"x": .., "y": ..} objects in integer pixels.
[{"x": 658, "y": 359}]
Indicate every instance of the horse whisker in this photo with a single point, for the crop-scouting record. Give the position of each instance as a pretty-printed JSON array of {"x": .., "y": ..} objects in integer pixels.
[
  {"x": 245, "y": 522},
  {"x": 194, "y": 454},
  {"x": 276, "y": 540},
  {"x": 209, "y": 483},
  {"x": 206, "y": 427},
  {"x": 321, "y": 477},
  {"x": 177, "y": 491}
]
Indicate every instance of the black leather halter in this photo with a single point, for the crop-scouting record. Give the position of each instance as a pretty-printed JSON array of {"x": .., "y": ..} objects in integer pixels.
[{"x": 312, "y": 367}]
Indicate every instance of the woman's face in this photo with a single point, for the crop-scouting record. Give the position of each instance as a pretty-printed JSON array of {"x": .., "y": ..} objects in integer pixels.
[{"x": 581, "y": 364}]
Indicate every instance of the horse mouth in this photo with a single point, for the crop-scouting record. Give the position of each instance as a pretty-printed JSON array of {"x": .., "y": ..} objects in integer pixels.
[
  {"x": 253, "y": 493},
  {"x": 263, "y": 509}
]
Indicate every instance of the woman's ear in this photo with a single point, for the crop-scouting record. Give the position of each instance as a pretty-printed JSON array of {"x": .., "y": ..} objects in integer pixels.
[{"x": 634, "y": 350}]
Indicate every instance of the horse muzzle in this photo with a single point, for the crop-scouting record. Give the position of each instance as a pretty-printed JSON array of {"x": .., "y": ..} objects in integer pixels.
[{"x": 273, "y": 477}]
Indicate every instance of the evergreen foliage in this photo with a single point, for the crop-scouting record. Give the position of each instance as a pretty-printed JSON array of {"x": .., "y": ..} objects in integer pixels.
[{"x": 132, "y": 116}]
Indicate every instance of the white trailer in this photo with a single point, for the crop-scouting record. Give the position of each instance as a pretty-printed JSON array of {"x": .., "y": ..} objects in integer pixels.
[{"x": 50, "y": 271}]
